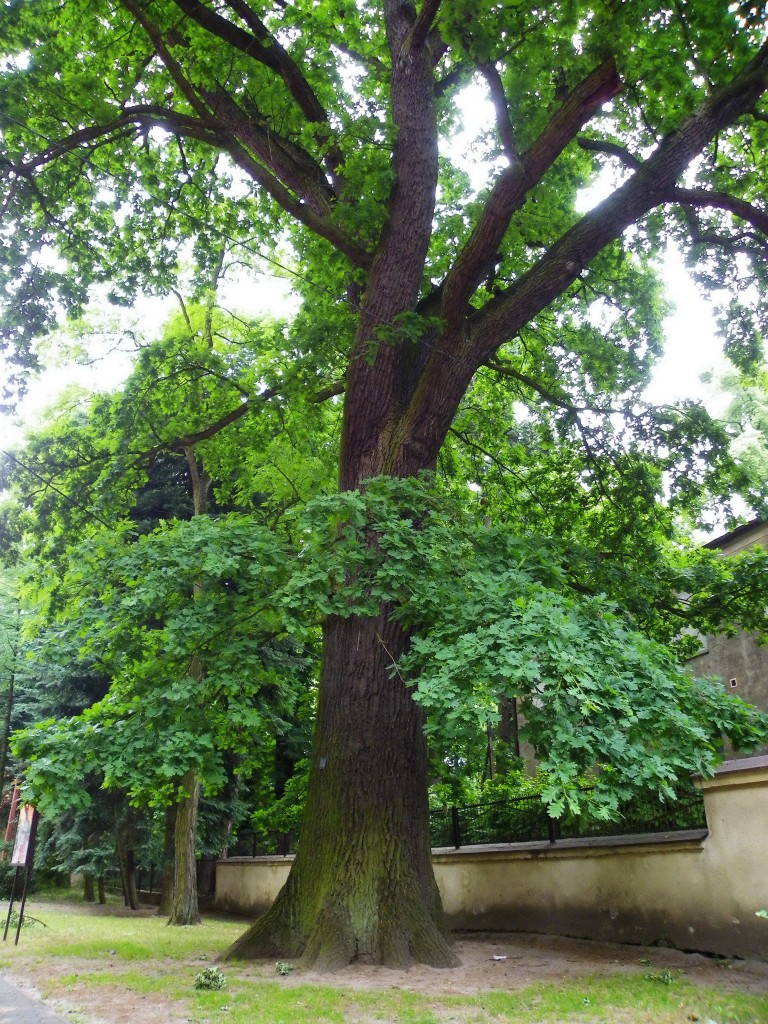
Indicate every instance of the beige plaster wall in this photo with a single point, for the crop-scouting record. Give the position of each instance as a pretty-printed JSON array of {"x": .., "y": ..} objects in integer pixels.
[
  {"x": 249, "y": 885},
  {"x": 690, "y": 890}
]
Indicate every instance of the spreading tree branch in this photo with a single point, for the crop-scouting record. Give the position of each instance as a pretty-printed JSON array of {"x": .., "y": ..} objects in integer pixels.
[
  {"x": 562, "y": 401},
  {"x": 174, "y": 69},
  {"x": 143, "y": 117},
  {"x": 510, "y": 191},
  {"x": 188, "y": 441},
  {"x": 701, "y": 198},
  {"x": 288, "y": 164},
  {"x": 261, "y": 46},
  {"x": 650, "y": 185},
  {"x": 499, "y": 100},
  {"x": 424, "y": 22},
  {"x": 467, "y": 342},
  {"x": 610, "y": 149}
]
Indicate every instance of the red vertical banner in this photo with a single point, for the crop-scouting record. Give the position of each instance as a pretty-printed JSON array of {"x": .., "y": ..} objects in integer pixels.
[{"x": 12, "y": 813}]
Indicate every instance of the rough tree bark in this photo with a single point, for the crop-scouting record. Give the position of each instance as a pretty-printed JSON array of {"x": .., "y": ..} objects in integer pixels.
[
  {"x": 362, "y": 887},
  {"x": 184, "y": 908},
  {"x": 169, "y": 845}
]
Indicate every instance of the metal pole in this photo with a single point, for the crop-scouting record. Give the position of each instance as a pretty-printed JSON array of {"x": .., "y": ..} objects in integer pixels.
[
  {"x": 551, "y": 823},
  {"x": 10, "y": 904},
  {"x": 27, "y": 873},
  {"x": 455, "y": 826}
]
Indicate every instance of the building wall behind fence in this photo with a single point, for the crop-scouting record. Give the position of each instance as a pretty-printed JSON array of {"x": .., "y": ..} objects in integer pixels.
[{"x": 689, "y": 890}]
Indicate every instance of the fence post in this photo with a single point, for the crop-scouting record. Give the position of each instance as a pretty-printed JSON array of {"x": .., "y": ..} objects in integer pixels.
[
  {"x": 552, "y": 829},
  {"x": 455, "y": 826}
]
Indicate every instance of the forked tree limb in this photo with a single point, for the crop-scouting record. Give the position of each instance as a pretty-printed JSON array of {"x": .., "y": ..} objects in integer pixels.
[
  {"x": 646, "y": 189},
  {"x": 424, "y": 22},
  {"x": 510, "y": 191}
]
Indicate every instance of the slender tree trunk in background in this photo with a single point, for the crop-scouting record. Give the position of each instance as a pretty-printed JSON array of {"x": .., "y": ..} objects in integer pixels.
[
  {"x": 88, "y": 892},
  {"x": 7, "y": 720},
  {"x": 184, "y": 907},
  {"x": 166, "y": 883},
  {"x": 126, "y": 862},
  {"x": 206, "y": 876},
  {"x": 121, "y": 868},
  {"x": 128, "y": 876},
  {"x": 102, "y": 890},
  {"x": 130, "y": 879}
]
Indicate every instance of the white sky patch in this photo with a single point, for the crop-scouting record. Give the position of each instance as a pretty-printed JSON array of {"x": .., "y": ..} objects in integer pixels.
[
  {"x": 693, "y": 346},
  {"x": 467, "y": 149},
  {"x": 108, "y": 351}
]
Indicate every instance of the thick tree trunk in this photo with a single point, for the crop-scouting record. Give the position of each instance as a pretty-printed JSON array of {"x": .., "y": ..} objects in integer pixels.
[
  {"x": 102, "y": 889},
  {"x": 166, "y": 883},
  {"x": 362, "y": 887},
  {"x": 184, "y": 908}
]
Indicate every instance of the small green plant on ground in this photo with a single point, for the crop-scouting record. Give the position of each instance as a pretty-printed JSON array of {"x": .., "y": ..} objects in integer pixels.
[
  {"x": 26, "y": 922},
  {"x": 211, "y": 978},
  {"x": 661, "y": 977}
]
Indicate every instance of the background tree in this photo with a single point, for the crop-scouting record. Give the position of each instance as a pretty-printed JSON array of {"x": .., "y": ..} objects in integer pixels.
[
  {"x": 114, "y": 129},
  {"x": 147, "y": 443}
]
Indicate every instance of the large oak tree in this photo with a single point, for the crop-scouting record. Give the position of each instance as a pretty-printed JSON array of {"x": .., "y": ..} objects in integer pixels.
[{"x": 129, "y": 126}]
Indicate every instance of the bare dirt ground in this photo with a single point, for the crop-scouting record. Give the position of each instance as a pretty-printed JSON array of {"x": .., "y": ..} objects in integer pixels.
[{"x": 489, "y": 961}]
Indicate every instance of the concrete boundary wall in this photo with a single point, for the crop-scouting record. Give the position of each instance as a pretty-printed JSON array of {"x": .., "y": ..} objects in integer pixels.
[{"x": 696, "y": 890}]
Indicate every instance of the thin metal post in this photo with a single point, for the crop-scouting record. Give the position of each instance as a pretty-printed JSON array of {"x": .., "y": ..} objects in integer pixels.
[
  {"x": 10, "y": 903},
  {"x": 552, "y": 829},
  {"x": 455, "y": 826}
]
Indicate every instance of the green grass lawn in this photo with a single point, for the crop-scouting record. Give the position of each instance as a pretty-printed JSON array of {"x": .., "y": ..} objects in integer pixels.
[{"x": 93, "y": 962}]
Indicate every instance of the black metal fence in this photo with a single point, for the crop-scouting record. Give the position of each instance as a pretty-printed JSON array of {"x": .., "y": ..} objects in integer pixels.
[
  {"x": 255, "y": 844},
  {"x": 523, "y": 819}
]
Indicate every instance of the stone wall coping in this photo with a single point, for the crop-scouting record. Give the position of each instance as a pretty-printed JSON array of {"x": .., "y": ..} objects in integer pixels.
[
  {"x": 269, "y": 858},
  {"x": 667, "y": 842},
  {"x": 684, "y": 838},
  {"x": 745, "y": 771}
]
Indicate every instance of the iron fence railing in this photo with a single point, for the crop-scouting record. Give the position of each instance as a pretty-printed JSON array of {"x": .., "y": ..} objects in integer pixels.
[
  {"x": 525, "y": 819},
  {"x": 256, "y": 844},
  {"x": 522, "y": 819}
]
